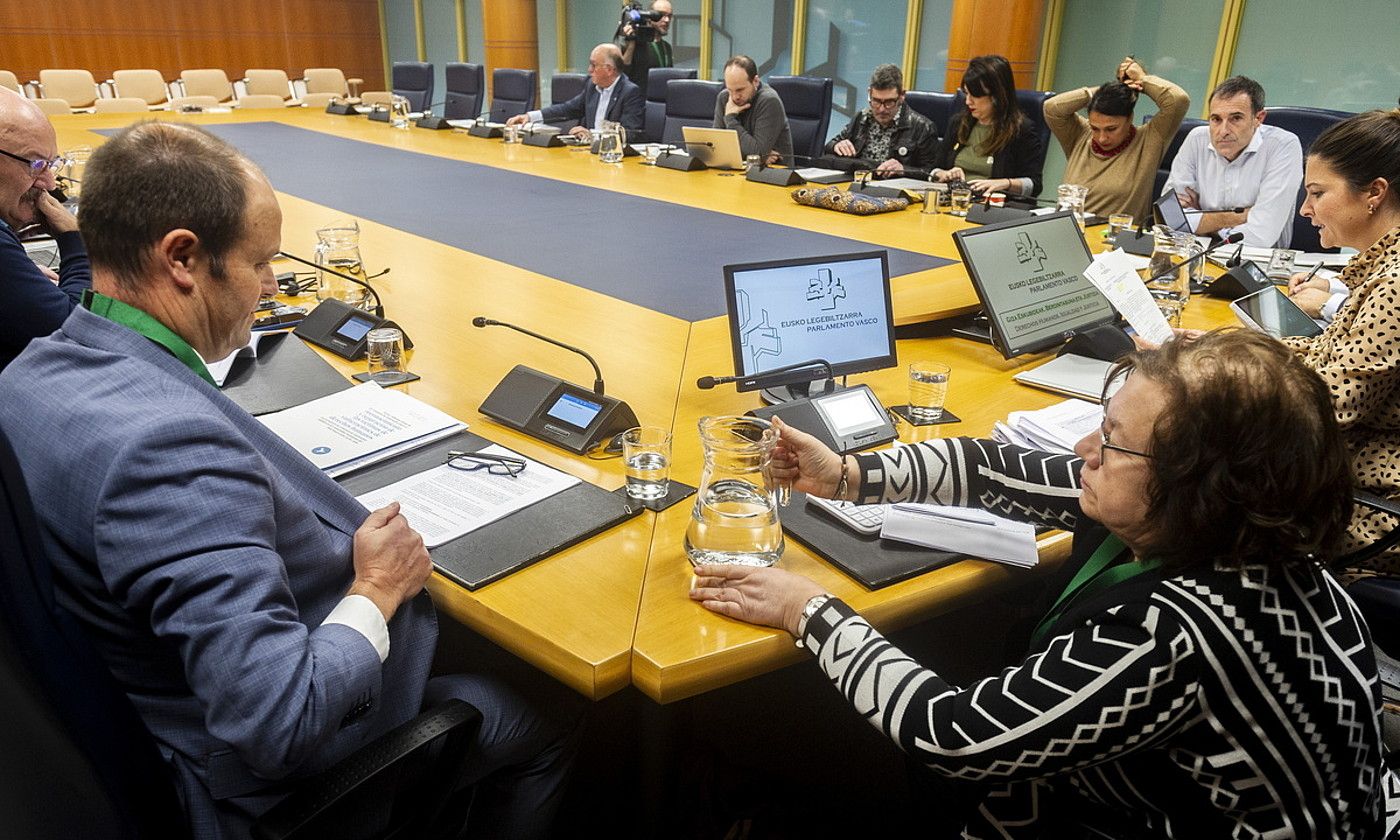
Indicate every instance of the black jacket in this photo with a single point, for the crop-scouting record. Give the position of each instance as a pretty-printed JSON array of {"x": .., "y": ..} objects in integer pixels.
[
  {"x": 913, "y": 144},
  {"x": 1024, "y": 157}
]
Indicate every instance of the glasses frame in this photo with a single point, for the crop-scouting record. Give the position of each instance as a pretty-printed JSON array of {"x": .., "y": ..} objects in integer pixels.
[
  {"x": 37, "y": 166},
  {"x": 884, "y": 103},
  {"x": 493, "y": 464},
  {"x": 1104, "y": 442}
]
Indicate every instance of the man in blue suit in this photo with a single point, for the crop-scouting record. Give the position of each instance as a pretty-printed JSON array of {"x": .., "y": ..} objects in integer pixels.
[
  {"x": 263, "y": 623},
  {"x": 611, "y": 97}
]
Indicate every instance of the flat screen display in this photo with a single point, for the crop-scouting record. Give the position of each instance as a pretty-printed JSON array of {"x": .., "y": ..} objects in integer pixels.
[
  {"x": 1029, "y": 275},
  {"x": 1270, "y": 310},
  {"x": 787, "y": 312},
  {"x": 354, "y": 328},
  {"x": 1173, "y": 215},
  {"x": 850, "y": 412},
  {"x": 574, "y": 410}
]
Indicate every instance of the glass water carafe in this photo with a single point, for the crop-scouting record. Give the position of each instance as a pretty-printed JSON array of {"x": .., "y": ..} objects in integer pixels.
[
  {"x": 338, "y": 248},
  {"x": 735, "y": 518},
  {"x": 1168, "y": 278}
]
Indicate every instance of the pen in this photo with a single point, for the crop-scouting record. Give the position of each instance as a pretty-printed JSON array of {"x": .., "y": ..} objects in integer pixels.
[{"x": 1316, "y": 268}]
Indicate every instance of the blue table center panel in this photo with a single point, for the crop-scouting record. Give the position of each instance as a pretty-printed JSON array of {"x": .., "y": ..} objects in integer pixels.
[{"x": 663, "y": 256}]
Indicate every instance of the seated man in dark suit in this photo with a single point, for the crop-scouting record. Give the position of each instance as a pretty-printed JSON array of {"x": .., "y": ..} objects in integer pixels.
[
  {"x": 610, "y": 98},
  {"x": 34, "y": 305},
  {"x": 263, "y": 623},
  {"x": 888, "y": 137}
]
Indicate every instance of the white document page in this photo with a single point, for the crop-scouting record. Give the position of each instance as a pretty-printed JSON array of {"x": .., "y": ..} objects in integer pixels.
[
  {"x": 1113, "y": 275},
  {"x": 969, "y": 531},
  {"x": 910, "y": 184},
  {"x": 811, "y": 172},
  {"x": 444, "y": 503},
  {"x": 359, "y": 426},
  {"x": 220, "y": 369},
  {"x": 1055, "y": 428}
]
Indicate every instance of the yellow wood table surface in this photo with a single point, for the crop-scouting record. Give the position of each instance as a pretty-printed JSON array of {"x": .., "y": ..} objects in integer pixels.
[{"x": 613, "y": 610}]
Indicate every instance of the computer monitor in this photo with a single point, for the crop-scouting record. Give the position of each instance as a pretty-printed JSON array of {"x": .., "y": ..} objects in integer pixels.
[
  {"x": 717, "y": 148},
  {"x": 787, "y": 312},
  {"x": 1029, "y": 275}
]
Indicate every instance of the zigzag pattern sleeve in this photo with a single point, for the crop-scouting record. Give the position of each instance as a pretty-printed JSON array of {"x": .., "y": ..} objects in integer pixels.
[
  {"x": 1022, "y": 484},
  {"x": 1094, "y": 695}
]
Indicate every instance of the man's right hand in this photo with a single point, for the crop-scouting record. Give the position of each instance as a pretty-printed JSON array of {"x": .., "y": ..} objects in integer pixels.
[
  {"x": 730, "y": 109},
  {"x": 1188, "y": 198},
  {"x": 53, "y": 216},
  {"x": 518, "y": 119},
  {"x": 845, "y": 148},
  {"x": 391, "y": 564}
]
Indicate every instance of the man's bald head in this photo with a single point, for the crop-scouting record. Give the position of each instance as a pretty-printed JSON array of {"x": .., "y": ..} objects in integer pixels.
[
  {"x": 605, "y": 64},
  {"x": 26, "y": 133}
]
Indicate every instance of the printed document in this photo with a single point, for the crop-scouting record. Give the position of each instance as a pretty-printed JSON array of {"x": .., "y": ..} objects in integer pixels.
[
  {"x": 444, "y": 503},
  {"x": 1113, "y": 275},
  {"x": 969, "y": 531}
]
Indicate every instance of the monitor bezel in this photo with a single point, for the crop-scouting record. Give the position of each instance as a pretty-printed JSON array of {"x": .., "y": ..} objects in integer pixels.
[
  {"x": 998, "y": 336},
  {"x": 748, "y": 382},
  {"x": 1160, "y": 207}
]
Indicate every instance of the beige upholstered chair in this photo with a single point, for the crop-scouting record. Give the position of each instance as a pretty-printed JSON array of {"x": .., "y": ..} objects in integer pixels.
[
  {"x": 11, "y": 81},
  {"x": 120, "y": 105},
  {"x": 147, "y": 85},
  {"x": 179, "y": 103},
  {"x": 331, "y": 80},
  {"x": 261, "y": 100},
  {"x": 319, "y": 100},
  {"x": 76, "y": 86},
  {"x": 269, "y": 83},
  {"x": 213, "y": 83},
  {"x": 52, "y": 106},
  {"x": 376, "y": 97}
]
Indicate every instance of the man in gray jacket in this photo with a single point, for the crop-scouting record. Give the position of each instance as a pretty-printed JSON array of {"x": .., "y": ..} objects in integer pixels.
[{"x": 755, "y": 111}]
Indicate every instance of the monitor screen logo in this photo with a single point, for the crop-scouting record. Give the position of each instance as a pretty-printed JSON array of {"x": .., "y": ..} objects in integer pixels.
[
  {"x": 827, "y": 287},
  {"x": 1028, "y": 249}
]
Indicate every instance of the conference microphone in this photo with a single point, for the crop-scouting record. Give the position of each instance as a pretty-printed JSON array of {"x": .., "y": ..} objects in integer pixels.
[
  {"x": 1229, "y": 240},
  {"x": 792, "y": 374},
  {"x": 1235, "y": 258},
  {"x": 479, "y": 321},
  {"x": 427, "y": 119},
  {"x": 378, "y": 304}
]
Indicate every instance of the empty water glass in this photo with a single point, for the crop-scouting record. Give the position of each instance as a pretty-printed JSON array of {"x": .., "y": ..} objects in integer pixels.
[
  {"x": 398, "y": 112},
  {"x": 384, "y": 355}
]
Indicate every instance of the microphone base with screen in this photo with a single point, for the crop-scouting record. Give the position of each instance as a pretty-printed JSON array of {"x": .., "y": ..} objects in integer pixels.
[
  {"x": 775, "y": 177},
  {"x": 543, "y": 139},
  {"x": 341, "y": 109},
  {"x": 1134, "y": 243},
  {"x": 983, "y": 214},
  {"x": 1106, "y": 343},
  {"x": 680, "y": 163},
  {"x": 847, "y": 420},
  {"x": 1244, "y": 279},
  {"x": 780, "y": 394},
  {"x": 561, "y": 413},
  {"x": 488, "y": 132},
  {"x": 432, "y": 122},
  {"x": 341, "y": 328}
]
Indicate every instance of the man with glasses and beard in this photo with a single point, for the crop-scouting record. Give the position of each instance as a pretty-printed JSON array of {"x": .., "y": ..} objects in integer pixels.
[{"x": 888, "y": 137}]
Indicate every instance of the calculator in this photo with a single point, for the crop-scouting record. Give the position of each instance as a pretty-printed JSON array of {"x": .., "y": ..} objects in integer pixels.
[{"x": 863, "y": 519}]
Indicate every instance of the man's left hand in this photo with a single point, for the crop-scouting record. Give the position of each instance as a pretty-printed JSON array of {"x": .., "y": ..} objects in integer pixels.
[{"x": 890, "y": 168}]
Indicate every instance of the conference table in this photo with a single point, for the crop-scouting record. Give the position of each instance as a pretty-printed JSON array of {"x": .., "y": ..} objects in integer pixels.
[{"x": 613, "y": 610}]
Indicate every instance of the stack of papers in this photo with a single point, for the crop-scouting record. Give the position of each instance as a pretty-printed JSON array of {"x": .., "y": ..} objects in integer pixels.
[
  {"x": 360, "y": 426},
  {"x": 1056, "y": 428},
  {"x": 975, "y": 533}
]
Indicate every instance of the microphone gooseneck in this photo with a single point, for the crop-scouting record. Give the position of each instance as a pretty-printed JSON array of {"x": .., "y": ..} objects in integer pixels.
[
  {"x": 378, "y": 304},
  {"x": 1230, "y": 240},
  {"x": 480, "y": 321}
]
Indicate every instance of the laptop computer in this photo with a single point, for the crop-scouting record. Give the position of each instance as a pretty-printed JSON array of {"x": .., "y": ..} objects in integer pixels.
[{"x": 717, "y": 148}]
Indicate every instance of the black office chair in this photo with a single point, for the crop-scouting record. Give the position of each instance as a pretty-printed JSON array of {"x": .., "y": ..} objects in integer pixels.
[
  {"x": 466, "y": 90},
  {"x": 1032, "y": 104},
  {"x": 512, "y": 92},
  {"x": 1307, "y": 123},
  {"x": 657, "y": 80},
  {"x": 1164, "y": 168},
  {"x": 82, "y": 764},
  {"x": 937, "y": 107},
  {"x": 562, "y": 88},
  {"x": 807, "y": 101},
  {"x": 413, "y": 80},
  {"x": 689, "y": 102}
]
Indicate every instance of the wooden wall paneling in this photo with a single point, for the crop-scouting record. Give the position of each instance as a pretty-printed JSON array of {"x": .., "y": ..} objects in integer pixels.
[
  {"x": 1010, "y": 28},
  {"x": 511, "y": 35}
]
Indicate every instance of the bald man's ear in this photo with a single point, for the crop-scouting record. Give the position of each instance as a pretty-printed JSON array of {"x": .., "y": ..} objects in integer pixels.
[{"x": 178, "y": 256}]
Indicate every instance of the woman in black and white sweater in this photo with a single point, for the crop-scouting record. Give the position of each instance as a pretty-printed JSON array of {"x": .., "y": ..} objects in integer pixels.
[{"x": 1201, "y": 675}]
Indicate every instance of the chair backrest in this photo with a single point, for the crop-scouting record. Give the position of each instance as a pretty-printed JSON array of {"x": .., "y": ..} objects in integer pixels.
[
  {"x": 147, "y": 85},
  {"x": 1307, "y": 123},
  {"x": 807, "y": 101},
  {"x": 89, "y": 717},
  {"x": 52, "y": 106},
  {"x": 76, "y": 86},
  {"x": 268, "y": 83},
  {"x": 326, "y": 80},
  {"x": 565, "y": 86},
  {"x": 466, "y": 90},
  {"x": 413, "y": 80},
  {"x": 657, "y": 80},
  {"x": 10, "y": 80},
  {"x": 262, "y": 100},
  {"x": 120, "y": 105},
  {"x": 1164, "y": 169},
  {"x": 689, "y": 102},
  {"x": 376, "y": 97},
  {"x": 207, "y": 82},
  {"x": 1032, "y": 104},
  {"x": 937, "y": 107},
  {"x": 512, "y": 92}
]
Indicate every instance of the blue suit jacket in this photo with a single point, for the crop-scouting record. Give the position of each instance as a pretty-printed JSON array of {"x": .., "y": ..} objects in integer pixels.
[
  {"x": 627, "y": 106},
  {"x": 202, "y": 553}
]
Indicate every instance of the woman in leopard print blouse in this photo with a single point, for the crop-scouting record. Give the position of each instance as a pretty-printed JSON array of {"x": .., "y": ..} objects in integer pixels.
[{"x": 1353, "y": 199}]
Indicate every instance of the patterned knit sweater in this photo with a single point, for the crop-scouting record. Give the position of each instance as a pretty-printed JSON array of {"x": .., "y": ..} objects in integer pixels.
[{"x": 1203, "y": 703}]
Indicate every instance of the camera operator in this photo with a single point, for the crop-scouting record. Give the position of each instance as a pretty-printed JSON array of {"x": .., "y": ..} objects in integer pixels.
[{"x": 642, "y": 42}]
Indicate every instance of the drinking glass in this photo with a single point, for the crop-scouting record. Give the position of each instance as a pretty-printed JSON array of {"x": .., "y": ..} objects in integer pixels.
[
  {"x": 646, "y": 459},
  {"x": 1168, "y": 279},
  {"x": 1072, "y": 197},
  {"x": 1281, "y": 263},
  {"x": 609, "y": 146},
  {"x": 650, "y": 153},
  {"x": 959, "y": 200},
  {"x": 861, "y": 177},
  {"x": 928, "y": 388},
  {"x": 74, "y": 162},
  {"x": 384, "y": 354},
  {"x": 1119, "y": 222},
  {"x": 398, "y": 112}
]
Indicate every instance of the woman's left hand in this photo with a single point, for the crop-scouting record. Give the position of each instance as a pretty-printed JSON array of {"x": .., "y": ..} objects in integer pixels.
[
  {"x": 988, "y": 186},
  {"x": 759, "y": 595}
]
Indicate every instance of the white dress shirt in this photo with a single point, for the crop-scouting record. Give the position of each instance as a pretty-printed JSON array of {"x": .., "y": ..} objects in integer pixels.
[
  {"x": 604, "y": 99},
  {"x": 1264, "y": 177}
]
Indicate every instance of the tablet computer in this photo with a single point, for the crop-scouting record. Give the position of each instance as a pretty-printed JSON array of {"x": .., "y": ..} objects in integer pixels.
[{"x": 1270, "y": 311}]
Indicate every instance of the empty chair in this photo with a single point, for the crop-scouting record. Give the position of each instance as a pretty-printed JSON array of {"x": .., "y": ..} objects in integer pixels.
[
  {"x": 194, "y": 103},
  {"x": 512, "y": 92},
  {"x": 146, "y": 85},
  {"x": 562, "y": 88},
  {"x": 689, "y": 102},
  {"x": 75, "y": 86},
  {"x": 466, "y": 90},
  {"x": 657, "y": 79},
  {"x": 1164, "y": 169},
  {"x": 938, "y": 107},
  {"x": 807, "y": 101},
  {"x": 120, "y": 105},
  {"x": 10, "y": 80},
  {"x": 269, "y": 83},
  {"x": 262, "y": 100},
  {"x": 376, "y": 97},
  {"x": 207, "y": 82},
  {"x": 325, "y": 83},
  {"x": 52, "y": 106},
  {"x": 1307, "y": 123},
  {"x": 413, "y": 80}
]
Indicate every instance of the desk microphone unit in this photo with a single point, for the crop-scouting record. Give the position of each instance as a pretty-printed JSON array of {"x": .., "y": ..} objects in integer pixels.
[
  {"x": 339, "y": 327},
  {"x": 545, "y": 137},
  {"x": 681, "y": 163},
  {"x": 552, "y": 409},
  {"x": 379, "y": 113},
  {"x": 341, "y": 108},
  {"x": 483, "y": 129},
  {"x": 431, "y": 121},
  {"x": 777, "y": 176}
]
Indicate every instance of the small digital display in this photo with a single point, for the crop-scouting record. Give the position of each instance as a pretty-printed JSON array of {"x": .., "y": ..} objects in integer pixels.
[
  {"x": 851, "y": 412},
  {"x": 574, "y": 410},
  {"x": 354, "y": 328},
  {"x": 1172, "y": 213}
]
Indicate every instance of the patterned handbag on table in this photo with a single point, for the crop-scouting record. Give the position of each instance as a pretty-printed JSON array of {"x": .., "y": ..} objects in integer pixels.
[{"x": 834, "y": 198}]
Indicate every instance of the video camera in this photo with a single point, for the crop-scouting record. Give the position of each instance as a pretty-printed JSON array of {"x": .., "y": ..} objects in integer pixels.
[{"x": 642, "y": 21}]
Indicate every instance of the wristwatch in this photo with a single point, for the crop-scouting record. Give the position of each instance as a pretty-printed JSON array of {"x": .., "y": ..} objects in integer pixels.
[{"x": 813, "y": 604}]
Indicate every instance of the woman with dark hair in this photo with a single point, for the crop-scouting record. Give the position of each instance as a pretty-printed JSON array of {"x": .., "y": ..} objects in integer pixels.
[
  {"x": 990, "y": 143},
  {"x": 1201, "y": 674},
  {"x": 1352, "y": 185},
  {"x": 1115, "y": 159}
]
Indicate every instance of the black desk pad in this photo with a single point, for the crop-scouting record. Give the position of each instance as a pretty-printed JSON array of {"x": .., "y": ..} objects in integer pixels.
[
  {"x": 874, "y": 562},
  {"x": 506, "y": 545},
  {"x": 285, "y": 373}
]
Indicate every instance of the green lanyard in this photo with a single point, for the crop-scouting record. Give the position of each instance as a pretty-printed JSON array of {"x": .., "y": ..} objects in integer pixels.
[
  {"x": 656, "y": 51},
  {"x": 133, "y": 318},
  {"x": 1105, "y": 569}
]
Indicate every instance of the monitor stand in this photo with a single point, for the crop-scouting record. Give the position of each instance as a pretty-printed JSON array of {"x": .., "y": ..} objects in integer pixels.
[
  {"x": 977, "y": 327},
  {"x": 779, "y": 394}
]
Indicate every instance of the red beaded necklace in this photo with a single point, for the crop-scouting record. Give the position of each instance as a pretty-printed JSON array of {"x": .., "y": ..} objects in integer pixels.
[{"x": 1108, "y": 153}]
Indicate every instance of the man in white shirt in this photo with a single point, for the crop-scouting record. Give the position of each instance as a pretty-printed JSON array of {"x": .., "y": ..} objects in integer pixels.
[
  {"x": 1238, "y": 174},
  {"x": 610, "y": 98}
]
